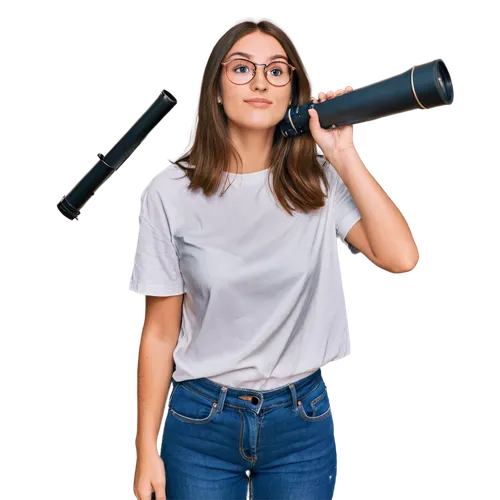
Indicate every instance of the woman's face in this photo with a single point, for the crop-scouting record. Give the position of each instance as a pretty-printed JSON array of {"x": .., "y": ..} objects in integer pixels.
[{"x": 260, "y": 48}]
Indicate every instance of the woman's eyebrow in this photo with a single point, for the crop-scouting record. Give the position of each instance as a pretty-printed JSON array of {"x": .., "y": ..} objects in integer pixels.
[{"x": 248, "y": 56}]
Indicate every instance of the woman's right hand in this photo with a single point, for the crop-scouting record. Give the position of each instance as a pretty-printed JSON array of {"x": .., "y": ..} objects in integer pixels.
[{"x": 149, "y": 476}]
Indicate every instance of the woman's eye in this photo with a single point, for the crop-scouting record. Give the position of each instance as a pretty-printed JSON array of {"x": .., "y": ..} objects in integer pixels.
[
  {"x": 276, "y": 70},
  {"x": 236, "y": 69}
]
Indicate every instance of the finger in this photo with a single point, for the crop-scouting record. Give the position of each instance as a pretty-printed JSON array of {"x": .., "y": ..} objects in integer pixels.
[
  {"x": 322, "y": 96},
  {"x": 332, "y": 93},
  {"x": 159, "y": 492},
  {"x": 314, "y": 124}
]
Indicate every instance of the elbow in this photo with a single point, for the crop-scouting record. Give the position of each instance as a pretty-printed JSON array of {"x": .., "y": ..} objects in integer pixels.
[{"x": 405, "y": 266}]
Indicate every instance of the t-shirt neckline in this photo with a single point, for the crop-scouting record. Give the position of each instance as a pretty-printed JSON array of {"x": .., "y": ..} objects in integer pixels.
[{"x": 248, "y": 178}]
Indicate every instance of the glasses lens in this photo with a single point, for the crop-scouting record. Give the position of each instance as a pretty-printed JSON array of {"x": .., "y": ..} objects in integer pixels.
[
  {"x": 279, "y": 73},
  {"x": 240, "y": 71}
]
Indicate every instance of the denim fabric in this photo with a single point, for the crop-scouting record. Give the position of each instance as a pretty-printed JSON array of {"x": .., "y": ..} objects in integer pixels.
[{"x": 224, "y": 443}]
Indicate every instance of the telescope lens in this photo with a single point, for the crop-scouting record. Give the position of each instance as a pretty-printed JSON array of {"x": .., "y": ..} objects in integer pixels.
[{"x": 444, "y": 86}]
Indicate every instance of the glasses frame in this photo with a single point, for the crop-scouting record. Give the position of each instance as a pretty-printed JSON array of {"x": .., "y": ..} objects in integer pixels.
[{"x": 255, "y": 70}]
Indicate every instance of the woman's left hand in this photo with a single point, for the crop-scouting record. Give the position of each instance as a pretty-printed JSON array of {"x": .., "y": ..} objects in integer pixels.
[{"x": 330, "y": 140}]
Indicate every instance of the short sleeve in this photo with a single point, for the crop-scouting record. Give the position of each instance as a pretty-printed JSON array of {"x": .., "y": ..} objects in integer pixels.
[
  {"x": 346, "y": 211},
  {"x": 156, "y": 268}
]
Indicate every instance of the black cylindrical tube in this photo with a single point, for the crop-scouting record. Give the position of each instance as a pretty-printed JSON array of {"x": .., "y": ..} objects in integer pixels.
[
  {"x": 71, "y": 204},
  {"x": 425, "y": 86}
]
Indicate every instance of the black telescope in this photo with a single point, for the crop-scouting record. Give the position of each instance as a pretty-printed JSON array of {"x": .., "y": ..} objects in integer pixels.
[
  {"x": 421, "y": 87},
  {"x": 71, "y": 204}
]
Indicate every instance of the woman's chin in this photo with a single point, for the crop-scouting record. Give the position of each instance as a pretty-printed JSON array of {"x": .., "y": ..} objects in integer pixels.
[{"x": 259, "y": 123}]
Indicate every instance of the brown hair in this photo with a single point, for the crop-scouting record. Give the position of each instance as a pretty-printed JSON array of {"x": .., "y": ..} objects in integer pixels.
[{"x": 296, "y": 170}]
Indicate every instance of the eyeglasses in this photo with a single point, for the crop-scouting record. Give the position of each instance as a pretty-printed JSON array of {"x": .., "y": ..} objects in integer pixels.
[{"x": 277, "y": 73}]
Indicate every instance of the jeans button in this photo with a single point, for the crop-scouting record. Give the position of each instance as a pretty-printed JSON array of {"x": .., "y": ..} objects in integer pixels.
[{"x": 255, "y": 400}]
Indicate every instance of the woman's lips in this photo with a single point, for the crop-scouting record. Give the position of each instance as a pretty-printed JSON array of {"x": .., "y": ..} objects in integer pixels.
[{"x": 259, "y": 104}]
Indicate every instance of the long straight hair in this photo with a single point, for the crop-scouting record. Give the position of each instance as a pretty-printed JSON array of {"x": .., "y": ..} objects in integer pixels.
[{"x": 296, "y": 170}]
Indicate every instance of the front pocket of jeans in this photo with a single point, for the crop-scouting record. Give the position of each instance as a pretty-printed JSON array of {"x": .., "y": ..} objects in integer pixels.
[
  {"x": 315, "y": 407},
  {"x": 189, "y": 407}
]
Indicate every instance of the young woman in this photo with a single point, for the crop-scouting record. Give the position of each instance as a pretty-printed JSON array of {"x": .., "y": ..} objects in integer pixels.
[{"x": 237, "y": 257}]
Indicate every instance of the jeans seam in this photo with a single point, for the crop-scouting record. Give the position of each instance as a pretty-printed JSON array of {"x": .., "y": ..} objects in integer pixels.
[{"x": 241, "y": 440}]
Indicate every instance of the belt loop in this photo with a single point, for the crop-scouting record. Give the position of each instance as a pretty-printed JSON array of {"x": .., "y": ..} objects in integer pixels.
[
  {"x": 294, "y": 396},
  {"x": 222, "y": 399}
]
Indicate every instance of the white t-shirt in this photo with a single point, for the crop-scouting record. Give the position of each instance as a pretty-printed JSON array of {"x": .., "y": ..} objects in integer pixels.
[{"x": 264, "y": 304}]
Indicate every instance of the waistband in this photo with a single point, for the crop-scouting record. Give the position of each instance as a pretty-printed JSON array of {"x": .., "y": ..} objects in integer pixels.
[{"x": 252, "y": 399}]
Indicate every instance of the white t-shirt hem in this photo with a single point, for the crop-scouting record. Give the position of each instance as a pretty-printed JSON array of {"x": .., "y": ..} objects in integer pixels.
[
  {"x": 155, "y": 290},
  {"x": 345, "y": 226}
]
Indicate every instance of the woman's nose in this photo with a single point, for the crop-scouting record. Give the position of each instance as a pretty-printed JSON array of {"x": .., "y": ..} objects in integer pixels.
[{"x": 260, "y": 77}]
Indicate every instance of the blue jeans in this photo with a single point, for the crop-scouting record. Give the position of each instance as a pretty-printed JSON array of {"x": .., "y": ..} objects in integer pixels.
[{"x": 219, "y": 441}]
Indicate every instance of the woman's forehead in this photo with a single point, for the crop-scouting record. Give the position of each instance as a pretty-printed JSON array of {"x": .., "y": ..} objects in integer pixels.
[{"x": 258, "y": 45}]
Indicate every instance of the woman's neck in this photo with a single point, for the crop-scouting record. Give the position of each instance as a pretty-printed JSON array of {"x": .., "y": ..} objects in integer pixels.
[{"x": 254, "y": 146}]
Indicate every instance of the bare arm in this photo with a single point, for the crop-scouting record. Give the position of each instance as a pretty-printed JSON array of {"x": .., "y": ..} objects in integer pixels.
[
  {"x": 155, "y": 367},
  {"x": 386, "y": 230}
]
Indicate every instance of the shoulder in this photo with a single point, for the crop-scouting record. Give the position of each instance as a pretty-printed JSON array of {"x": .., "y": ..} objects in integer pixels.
[
  {"x": 321, "y": 160},
  {"x": 166, "y": 182},
  {"x": 161, "y": 196},
  {"x": 330, "y": 172},
  {"x": 326, "y": 165},
  {"x": 333, "y": 176}
]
